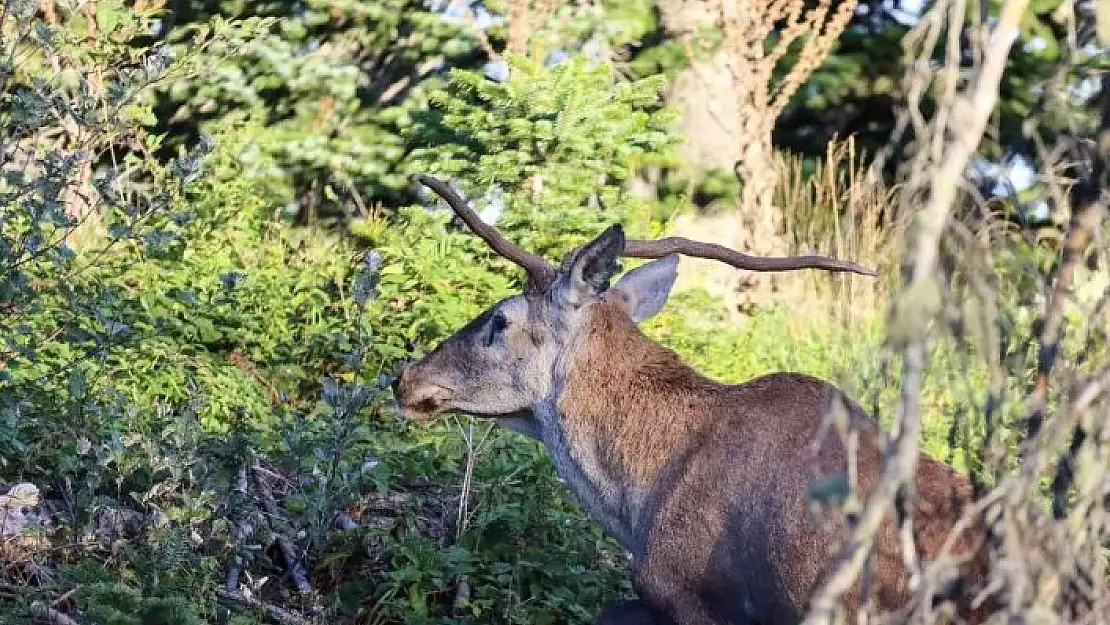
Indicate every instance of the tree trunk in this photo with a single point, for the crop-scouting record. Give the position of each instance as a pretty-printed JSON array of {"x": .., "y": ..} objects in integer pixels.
[{"x": 722, "y": 99}]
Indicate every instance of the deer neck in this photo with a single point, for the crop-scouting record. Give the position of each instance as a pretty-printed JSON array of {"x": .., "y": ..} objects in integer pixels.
[{"x": 626, "y": 408}]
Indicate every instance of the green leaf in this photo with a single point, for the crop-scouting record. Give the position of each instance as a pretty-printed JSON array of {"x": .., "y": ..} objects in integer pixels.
[{"x": 110, "y": 15}]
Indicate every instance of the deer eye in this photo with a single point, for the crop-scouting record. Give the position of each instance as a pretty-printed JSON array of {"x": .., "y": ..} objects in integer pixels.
[{"x": 497, "y": 325}]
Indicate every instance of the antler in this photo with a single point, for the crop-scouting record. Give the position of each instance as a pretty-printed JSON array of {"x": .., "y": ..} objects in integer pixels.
[
  {"x": 540, "y": 272},
  {"x": 678, "y": 245}
]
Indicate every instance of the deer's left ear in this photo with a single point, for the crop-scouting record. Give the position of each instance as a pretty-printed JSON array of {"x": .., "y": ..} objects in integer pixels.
[
  {"x": 586, "y": 272},
  {"x": 646, "y": 288}
]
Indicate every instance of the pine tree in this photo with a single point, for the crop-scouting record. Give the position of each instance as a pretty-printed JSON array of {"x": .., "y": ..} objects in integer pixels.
[
  {"x": 551, "y": 145},
  {"x": 335, "y": 84},
  {"x": 331, "y": 87}
]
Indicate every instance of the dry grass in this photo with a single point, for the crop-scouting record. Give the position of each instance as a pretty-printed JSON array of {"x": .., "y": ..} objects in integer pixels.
[
  {"x": 839, "y": 209},
  {"x": 834, "y": 208},
  {"x": 1040, "y": 428}
]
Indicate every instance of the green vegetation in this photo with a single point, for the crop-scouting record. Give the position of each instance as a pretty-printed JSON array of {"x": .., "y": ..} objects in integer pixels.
[
  {"x": 181, "y": 332},
  {"x": 213, "y": 259}
]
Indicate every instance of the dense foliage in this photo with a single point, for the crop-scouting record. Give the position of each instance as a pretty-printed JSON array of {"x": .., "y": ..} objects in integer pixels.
[
  {"x": 333, "y": 89},
  {"x": 177, "y": 337},
  {"x": 194, "y": 367}
]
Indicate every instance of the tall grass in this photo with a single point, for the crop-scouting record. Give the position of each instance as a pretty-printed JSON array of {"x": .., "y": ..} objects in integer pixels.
[{"x": 836, "y": 206}]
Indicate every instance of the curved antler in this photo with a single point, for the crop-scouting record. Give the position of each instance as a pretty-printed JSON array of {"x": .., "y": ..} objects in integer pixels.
[
  {"x": 540, "y": 272},
  {"x": 679, "y": 245}
]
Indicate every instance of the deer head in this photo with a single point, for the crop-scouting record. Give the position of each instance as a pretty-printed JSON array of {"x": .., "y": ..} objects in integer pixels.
[{"x": 516, "y": 354}]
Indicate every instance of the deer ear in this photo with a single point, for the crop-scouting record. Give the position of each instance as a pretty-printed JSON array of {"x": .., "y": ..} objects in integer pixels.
[
  {"x": 586, "y": 272},
  {"x": 646, "y": 288}
]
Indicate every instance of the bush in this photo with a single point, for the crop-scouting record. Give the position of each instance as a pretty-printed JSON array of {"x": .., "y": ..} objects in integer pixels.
[{"x": 196, "y": 387}]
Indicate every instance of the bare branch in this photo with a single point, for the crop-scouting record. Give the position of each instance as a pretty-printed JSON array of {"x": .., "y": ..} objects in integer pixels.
[
  {"x": 273, "y": 612},
  {"x": 292, "y": 560},
  {"x": 971, "y": 113}
]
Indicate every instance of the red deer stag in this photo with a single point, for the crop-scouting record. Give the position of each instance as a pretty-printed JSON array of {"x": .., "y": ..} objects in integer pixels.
[{"x": 705, "y": 483}]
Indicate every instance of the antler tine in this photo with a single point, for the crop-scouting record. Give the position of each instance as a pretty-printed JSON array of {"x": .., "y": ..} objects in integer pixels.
[
  {"x": 540, "y": 272},
  {"x": 679, "y": 245}
]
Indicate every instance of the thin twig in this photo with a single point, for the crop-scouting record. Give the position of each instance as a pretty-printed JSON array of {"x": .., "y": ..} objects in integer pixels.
[
  {"x": 1089, "y": 393},
  {"x": 66, "y": 595},
  {"x": 280, "y": 615},
  {"x": 1080, "y": 231},
  {"x": 969, "y": 120},
  {"x": 296, "y": 567}
]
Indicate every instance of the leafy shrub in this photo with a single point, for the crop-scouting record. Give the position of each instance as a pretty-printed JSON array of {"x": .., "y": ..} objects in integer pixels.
[
  {"x": 192, "y": 345},
  {"x": 328, "y": 89}
]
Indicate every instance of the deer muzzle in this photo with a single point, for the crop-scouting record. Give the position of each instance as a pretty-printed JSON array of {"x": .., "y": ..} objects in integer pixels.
[{"x": 419, "y": 398}]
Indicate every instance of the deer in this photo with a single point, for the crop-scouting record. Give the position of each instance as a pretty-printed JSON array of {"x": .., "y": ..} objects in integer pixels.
[{"x": 704, "y": 483}]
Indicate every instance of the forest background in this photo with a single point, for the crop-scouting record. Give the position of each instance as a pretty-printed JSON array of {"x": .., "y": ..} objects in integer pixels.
[{"x": 214, "y": 257}]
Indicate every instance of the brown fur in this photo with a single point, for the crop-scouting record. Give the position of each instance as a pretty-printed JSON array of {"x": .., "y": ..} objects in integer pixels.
[
  {"x": 706, "y": 484},
  {"x": 753, "y": 441},
  {"x": 634, "y": 372}
]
